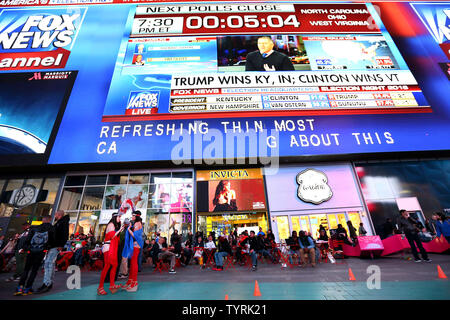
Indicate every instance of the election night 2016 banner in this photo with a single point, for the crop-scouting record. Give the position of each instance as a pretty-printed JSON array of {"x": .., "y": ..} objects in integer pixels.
[{"x": 176, "y": 81}]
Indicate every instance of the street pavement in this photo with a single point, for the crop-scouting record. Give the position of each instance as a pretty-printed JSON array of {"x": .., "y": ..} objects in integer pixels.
[{"x": 401, "y": 279}]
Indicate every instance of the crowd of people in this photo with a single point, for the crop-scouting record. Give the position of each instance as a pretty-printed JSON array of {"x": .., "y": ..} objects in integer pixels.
[{"x": 126, "y": 247}]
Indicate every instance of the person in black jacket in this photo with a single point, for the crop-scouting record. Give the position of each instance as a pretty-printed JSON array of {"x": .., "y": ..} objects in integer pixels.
[
  {"x": 352, "y": 232},
  {"x": 38, "y": 241},
  {"x": 253, "y": 249},
  {"x": 411, "y": 228},
  {"x": 266, "y": 59},
  {"x": 261, "y": 248},
  {"x": 20, "y": 257},
  {"x": 223, "y": 250},
  {"x": 160, "y": 251},
  {"x": 61, "y": 229}
]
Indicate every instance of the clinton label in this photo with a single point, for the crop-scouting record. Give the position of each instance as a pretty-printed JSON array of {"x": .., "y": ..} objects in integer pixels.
[
  {"x": 313, "y": 186},
  {"x": 36, "y": 39},
  {"x": 142, "y": 102}
]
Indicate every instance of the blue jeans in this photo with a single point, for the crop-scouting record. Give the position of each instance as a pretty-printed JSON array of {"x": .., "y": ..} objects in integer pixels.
[
  {"x": 49, "y": 266},
  {"x": 218, "y": 256},
  {"x": 291, "y": 253},
  {"x": 266, "y": 253},
  {"x": 254, "y": 258}
]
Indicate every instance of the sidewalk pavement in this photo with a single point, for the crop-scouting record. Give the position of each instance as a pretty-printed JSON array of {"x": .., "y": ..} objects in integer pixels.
[{"x": 400, "y": 279}]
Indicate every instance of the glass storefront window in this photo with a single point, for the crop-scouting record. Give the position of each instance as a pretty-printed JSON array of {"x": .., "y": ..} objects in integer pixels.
[
  {"x": 181, "y": 198},
  {"x": 355, "y": 219},
  {"x": 14, "y": 184},
  {"x": 96, "y": 180},
  {"x": 88, "y": 222},
  {"x": 332, "y": 221},
  {"x": 138, "y": 179},
  {"x": 43, "y": 209},
  {"x": 52, "y": 185},
  {"x": 151, "y": 223},
  {"x": 70, "y": 199},
  {"x": 157, "y": 178},
  {"x": 14, "y": 217},
  {"x": 114, "y": 195},
  {"x": 168, "y": 204},
  {"x": 117, "y": 179},
  {"x": 92, "y": 198},
  {"x": 139, "y": 195},
  {"x": 316, "y": 221},
  {"x": 74, "y": 181},
  {"x": 162, "y": 223},
  {"x": 295, "y": 221},
  {"x": 72, "y": 222},
  {"x": 304, "y": 221},
  {"x": 35, "y": 182},
  {"x": 283, "y": 228},
  {"x": 341, "y": 220}
]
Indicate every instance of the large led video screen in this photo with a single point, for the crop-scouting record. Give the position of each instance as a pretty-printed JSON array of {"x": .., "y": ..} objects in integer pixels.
[
  {"x": 29, "y": 107},
  {"x": 221, "y": 191},
  {"x": 195, "y": 81}
]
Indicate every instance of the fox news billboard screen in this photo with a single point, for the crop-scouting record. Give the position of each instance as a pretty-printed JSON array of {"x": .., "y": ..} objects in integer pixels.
[{"x": 181, "y": 81}]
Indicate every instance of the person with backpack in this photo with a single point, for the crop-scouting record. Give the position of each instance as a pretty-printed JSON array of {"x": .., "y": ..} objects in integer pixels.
[
  {"x": 61, "y": 232},
  {"x": 36, "y": 245}
]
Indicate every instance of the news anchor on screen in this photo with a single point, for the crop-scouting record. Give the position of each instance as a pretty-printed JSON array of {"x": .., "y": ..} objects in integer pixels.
[{"x": 267, "y": 59}]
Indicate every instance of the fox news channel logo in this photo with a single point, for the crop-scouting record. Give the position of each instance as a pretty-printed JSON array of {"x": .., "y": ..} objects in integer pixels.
[{"x": 142, "y": 102}]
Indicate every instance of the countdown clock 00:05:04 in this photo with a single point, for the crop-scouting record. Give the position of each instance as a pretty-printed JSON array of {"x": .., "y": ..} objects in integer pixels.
[{"x": 236, "y": 22}]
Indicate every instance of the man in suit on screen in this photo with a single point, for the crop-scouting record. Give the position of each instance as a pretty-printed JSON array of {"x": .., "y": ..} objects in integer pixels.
[{"x": 267, "y": 59}]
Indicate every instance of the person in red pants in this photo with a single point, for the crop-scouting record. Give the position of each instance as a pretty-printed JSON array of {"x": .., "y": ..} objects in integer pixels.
[
  {"x": 109, "y": 249},
  {"x": 133, "y": 244}
]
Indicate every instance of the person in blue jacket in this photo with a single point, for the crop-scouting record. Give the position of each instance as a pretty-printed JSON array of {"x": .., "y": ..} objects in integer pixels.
[
  {"x": 442, "y": 225},
  {"x": 307, "y": 246}
]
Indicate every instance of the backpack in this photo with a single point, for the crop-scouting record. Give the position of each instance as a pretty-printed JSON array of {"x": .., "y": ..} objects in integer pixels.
[{"x": 38, "y": 241}]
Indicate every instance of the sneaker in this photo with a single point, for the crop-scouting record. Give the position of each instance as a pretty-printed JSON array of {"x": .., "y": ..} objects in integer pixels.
[
  {"x": 16, "y": 279},
  {"x": 172, "y": 271},
  {"x": 254, "y": 268},
  {"x": 417, "y": 260},
  {"x": 27, "y": 291},
  {"x": 428, "y": 260},
  {"x": 19, "y": 291},
  {"x": 123, "y": 276},
  {"x": 44, "y": 288},
  {"x": 11, "y": 279},
  {"x": 217, "y": 269}
]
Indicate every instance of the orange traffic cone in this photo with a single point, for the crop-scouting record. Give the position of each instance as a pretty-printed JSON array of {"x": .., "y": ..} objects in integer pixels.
[
  {"x": 441, "y": 273},
  {"x": 351, "y": 275},
  {"x": 257, "y": 293},
  {"x": 226, "y": 297}
]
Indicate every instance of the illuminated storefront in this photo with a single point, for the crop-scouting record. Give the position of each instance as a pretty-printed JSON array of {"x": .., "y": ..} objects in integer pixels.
[
  {"x": 229, "y": 200},
  {"x": 304, "y": 197},
  {"x": 163, "y": 197},
  {"x": 26, "y": 200}
]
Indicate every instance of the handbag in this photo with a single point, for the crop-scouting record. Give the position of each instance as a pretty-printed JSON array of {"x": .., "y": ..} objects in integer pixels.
[{"x": 198, "y": 253}]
